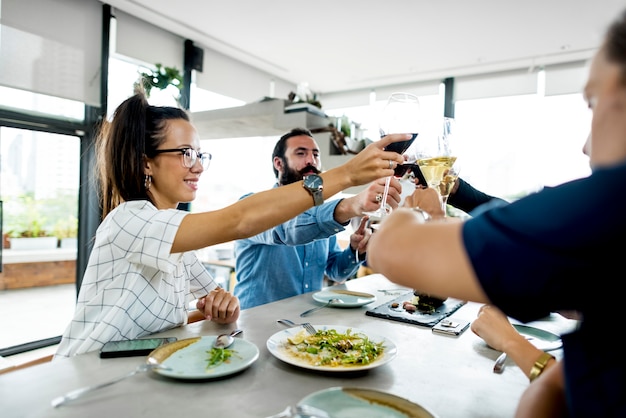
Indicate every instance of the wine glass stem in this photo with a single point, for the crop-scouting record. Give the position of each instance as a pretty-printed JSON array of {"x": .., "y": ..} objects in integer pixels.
[
  {"x": 383, "y": 202},
  {"x": 444, "y": 205}
]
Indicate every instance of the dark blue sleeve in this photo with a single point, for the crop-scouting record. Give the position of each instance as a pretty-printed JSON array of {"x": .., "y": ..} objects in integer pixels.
[
  {"x": 544, "y": 252},
  {"x": 467, "y": 198}
]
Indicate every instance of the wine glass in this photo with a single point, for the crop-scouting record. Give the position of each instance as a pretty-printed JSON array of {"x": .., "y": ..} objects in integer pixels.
[
  {"x": 447, "y": 147},
  {"x": 447, "y": 183},
  {"x": 436, "y": 158},
  {"x": 401, "y": 114}
]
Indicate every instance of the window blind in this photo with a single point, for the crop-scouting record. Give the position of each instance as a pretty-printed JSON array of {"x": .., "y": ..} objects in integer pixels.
[
  {"x": 509, "y": 83},
  {"x": 566, "y": 78},
  {"x": 233, "y": 78},
  {"x": 56, "y": 57}
]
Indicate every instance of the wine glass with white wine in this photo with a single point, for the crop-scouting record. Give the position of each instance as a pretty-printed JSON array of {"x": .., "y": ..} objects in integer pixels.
[
  {"x": 436, "y": 158},
  {"x": 401, "y": 114},
  {"x": 451, "y": 174},
  {"x": 447, "y": 184}
]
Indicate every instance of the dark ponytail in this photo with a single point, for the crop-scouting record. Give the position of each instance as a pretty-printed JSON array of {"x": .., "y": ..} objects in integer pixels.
[{"x": 135, "y": 131}]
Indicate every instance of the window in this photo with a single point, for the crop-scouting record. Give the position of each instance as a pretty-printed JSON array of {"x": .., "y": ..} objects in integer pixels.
[
  {"x": 518, "y": 144},
  {"x": 509, "y": 146},
  {"x": 39, "y": 190}
]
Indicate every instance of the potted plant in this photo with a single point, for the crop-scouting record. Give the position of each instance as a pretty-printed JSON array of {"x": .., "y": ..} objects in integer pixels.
[
  {"x": 161, "y": 78},
  {"x": 66, "y": 231},
  {"x": 31, "y": 236},
  {"x": 26, "y": 227}
]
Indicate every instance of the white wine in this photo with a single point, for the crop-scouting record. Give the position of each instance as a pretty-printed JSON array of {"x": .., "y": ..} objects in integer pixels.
[
  {"x": 434, "y": 169},
  {"x": 447, "y": 183}
]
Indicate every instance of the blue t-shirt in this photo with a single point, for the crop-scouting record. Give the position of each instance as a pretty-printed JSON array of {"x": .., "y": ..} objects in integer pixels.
[
  {"x": 559, "y": 249},
  {"x": 292, "y": 258}
]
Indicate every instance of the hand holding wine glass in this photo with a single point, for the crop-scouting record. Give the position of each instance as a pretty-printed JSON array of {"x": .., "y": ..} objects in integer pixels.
[
  {"x": 447, "y": 183},
  {"x": 436, "y": 158},
  {"x": 427, "y": 201},
  {"x": 400, "y": 115}
]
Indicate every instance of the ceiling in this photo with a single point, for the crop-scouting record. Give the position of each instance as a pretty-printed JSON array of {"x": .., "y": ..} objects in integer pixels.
[{"x": 343, "y": 45}]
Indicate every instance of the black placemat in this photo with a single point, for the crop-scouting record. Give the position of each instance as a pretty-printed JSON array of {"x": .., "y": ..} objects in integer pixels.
[{"x": 425, "y": 319}]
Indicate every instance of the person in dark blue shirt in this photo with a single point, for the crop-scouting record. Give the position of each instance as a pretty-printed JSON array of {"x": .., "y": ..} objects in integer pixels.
[{"x": 554, "y": 250}]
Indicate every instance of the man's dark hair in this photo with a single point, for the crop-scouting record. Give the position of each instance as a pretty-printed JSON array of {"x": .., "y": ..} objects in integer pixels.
[
  {"x": 279, "y": 148},
  {"x": 615, "y": 43}
]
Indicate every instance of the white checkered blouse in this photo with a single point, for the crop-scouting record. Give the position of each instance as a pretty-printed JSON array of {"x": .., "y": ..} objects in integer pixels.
[{"x": 133, "y": 286}]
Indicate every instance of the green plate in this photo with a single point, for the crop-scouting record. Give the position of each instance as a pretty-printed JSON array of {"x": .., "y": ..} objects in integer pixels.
[
  {"x": 542, "y": 339},
  {"x": 348, "y": 301},
  {"x": 187, "y": 359},
  {"x": 348, "y": 402}
]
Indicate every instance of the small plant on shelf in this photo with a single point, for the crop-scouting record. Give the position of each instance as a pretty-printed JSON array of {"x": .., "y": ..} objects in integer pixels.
[
  {"x": 161, "y": 78},
  {"x": 27, "y": 220},
  {"x": 66, "y": 228},
  {"x": 33, "y": 229},
  {"x": 304, "y": 94}
]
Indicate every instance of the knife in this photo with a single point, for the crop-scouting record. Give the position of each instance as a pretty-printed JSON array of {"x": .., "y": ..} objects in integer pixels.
[{"x": 353, "y": 293}]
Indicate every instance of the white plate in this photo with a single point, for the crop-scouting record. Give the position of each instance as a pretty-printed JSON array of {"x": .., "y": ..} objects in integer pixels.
[
  {"x": 542, "y": 339},
  {"x": 349, "y": 301},
  {"x": 276, "y": 346},
  {"x": 187, "y": 359},
  {"x": 350, "y": 402}
]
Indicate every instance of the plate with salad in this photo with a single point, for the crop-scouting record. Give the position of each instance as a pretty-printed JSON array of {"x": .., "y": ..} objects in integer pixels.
[
  {"x": 334, "y": 348},
  {"x": 196, "y": 358}
]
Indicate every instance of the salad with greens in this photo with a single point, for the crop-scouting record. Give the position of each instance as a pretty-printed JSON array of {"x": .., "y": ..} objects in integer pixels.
[
  {"x": 332, "y": 348},
  {"x": 218, "y": 356}
]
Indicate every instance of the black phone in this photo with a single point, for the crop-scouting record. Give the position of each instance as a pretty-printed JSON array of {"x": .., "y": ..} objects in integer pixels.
[
  {"x": 452, "y": 327},
  {"x": 130, "y": 348}
]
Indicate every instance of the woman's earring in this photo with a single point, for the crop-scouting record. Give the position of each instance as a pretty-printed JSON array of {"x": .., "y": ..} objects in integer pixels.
[{"x": 147, "y": 182}]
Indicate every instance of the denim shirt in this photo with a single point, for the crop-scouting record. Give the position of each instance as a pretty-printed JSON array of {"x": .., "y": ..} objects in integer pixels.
[{"x": 292, "y": 258}]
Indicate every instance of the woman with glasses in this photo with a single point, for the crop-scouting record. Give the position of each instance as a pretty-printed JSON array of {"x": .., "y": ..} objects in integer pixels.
[{"x": 142, "y": 273}]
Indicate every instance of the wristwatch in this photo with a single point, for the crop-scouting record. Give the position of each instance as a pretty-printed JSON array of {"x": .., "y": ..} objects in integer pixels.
[{"x": 314, "y": 184}]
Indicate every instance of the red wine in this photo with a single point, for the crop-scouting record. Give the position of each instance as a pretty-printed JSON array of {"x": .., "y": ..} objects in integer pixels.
[{"x": 401, "y": 146}]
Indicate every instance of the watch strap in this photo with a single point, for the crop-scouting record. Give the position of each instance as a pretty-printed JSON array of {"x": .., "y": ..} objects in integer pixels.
[
  {"x": 318, "y": 197},
  {"x": 539, "y": 366}
]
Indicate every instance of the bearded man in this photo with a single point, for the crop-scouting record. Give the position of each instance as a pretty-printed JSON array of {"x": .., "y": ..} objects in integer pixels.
[{"x": 295, "y": 257}]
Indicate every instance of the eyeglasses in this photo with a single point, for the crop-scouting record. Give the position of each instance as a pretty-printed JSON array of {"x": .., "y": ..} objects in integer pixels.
[{"x": 190, "y": 156}]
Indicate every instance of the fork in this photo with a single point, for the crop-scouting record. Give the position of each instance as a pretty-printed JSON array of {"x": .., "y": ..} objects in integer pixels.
[
  {"x": 317, "y": 308},
  {"x": 306, "y": 325}
]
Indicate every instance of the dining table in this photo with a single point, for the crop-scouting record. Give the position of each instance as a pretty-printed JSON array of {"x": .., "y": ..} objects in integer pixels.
[{"x": 451, "y": 376}]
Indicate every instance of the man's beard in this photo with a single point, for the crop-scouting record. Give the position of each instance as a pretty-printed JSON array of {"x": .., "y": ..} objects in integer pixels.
[{"x": 291, "y": 176}]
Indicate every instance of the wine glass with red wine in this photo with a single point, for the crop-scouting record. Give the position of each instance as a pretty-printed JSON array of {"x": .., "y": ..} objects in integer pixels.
[{"x": 400, "y": 115}]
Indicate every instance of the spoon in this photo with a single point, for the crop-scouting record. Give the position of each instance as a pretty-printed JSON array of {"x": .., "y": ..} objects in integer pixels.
[
  {"x": 225, "y": 340},
  {"x": 317, "y": 308},
  {"x": 301, "y": 411}
]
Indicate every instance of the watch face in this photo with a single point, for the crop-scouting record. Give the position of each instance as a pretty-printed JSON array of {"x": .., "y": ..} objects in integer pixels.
[
  {"x": 313, "y": 181},
  {"x": 314, "y": 184}
]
